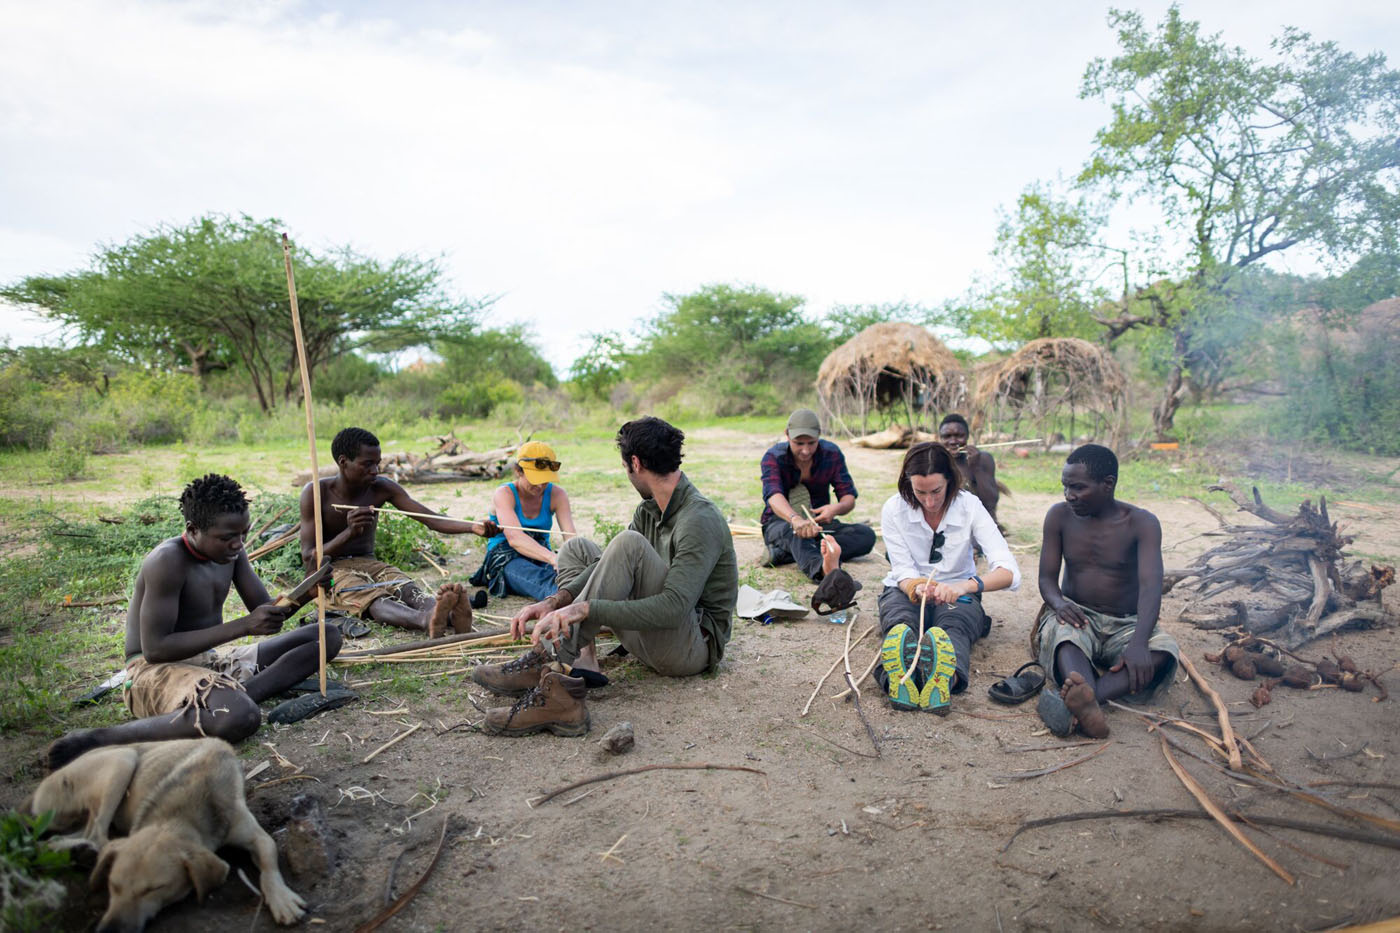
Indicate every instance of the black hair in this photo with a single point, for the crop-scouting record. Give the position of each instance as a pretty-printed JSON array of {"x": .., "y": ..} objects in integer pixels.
[
  {"x": 654, "y": 442},
  {"x": 210, "y": 496},
  {"x": 926, "y": 459},
  {"x": 349, "y": 441},
  {"x": 1098, "y": 460},
  {"x": 955, "y": 419}
]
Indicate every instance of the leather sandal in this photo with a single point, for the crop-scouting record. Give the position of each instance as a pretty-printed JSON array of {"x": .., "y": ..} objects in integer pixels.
[{"x": 1020, "y": 686}]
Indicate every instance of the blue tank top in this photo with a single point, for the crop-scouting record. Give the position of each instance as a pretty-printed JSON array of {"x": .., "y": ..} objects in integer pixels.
[{"x": 539, "y": 525}]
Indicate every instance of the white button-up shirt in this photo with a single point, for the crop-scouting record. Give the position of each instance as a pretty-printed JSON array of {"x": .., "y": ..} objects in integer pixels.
[{"x": 908, "y": 541}]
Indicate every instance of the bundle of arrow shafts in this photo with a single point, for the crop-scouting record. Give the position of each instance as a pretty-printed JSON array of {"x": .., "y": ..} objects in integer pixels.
[
  {"x": 450, "y": 648},
  {"x": 1299, "y": 586}
]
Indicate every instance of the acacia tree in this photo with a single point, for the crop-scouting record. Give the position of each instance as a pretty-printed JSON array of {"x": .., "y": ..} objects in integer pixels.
[
  {"x": 1245, "y": 159},
  {"x": 213, "y": 295}
]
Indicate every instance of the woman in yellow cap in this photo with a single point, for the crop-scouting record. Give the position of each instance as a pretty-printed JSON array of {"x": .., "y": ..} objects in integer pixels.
[{"x": 521, "y": 562}]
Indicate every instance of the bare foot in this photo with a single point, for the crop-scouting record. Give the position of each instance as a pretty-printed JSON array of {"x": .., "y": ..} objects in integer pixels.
[
  {"x": 68, "y": 747},
  {"x": 442, "y": 611},
  {"x": 460, "y": 620},
  {"x": 1079, "y": 697},
  {"x": 831, "y": 554}
]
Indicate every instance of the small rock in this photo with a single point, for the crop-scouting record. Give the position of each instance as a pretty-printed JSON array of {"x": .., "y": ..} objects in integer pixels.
[
  {"x": 619, "y": 739},
  {"x": 308, "y": 848}
]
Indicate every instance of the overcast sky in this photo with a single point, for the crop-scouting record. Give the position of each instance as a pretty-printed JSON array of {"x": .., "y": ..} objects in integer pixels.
[{"x": 578, "y": 159}]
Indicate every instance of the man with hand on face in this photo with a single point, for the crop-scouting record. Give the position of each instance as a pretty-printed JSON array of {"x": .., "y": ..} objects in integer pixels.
[
  {"x": 1097, "y": 633},
  {"x": 185, "y": 679},
  {"x": 348, "y": 538},
  {"x": 666, "y": 588},
  {"x": 801, "y": 474},
  {"x": 978, "y": 469}
]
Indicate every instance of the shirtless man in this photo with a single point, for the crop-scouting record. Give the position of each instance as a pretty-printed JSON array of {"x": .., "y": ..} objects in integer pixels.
[
  {"x": 349, "y": 543},
  {"x": 182, "y": 683},
  {"x": 978, "y": 469},
  {"x": 1097, "y": 632}
]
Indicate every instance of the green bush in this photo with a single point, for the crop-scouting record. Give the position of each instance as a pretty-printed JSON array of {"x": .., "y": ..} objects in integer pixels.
[{"x": 27, "y": 869}]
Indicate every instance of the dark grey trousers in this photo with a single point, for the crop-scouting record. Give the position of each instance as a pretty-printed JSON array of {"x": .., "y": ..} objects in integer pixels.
[
  {"x": 785, "y": 547},
  {"x": 965, "y": 623}
]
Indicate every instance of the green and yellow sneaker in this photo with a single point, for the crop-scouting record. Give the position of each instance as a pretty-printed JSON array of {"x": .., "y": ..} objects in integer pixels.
[
  {"x": 896, "y": 655},
  {"x": 942, "y": 669}
]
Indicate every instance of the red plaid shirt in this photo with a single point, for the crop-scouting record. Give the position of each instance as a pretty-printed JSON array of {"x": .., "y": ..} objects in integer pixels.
[{"x": 829, "y": 475}]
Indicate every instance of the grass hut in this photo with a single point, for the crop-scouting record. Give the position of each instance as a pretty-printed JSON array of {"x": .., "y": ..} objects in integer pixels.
[
  {"x": 1055, "y": 385},
  {"x": 891, "y": 372}
]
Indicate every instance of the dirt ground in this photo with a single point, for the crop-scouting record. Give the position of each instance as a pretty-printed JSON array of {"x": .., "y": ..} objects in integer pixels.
[{"x": 826, "y": 838}]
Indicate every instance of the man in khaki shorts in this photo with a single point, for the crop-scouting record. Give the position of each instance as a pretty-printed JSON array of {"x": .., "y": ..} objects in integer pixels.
[
  {"x": 1097, "y": 634},
  {"x": 185, "y": 679},
  {"x": 348, "y": 541}
]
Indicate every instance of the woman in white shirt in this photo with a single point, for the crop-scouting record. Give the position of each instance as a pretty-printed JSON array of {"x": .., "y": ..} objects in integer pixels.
[{"x": 930, "y": 528}]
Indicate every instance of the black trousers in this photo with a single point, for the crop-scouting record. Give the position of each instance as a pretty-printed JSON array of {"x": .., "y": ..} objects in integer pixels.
[
  {"x": 785, "y": 547},
  {"x": 965, "y": 623}
]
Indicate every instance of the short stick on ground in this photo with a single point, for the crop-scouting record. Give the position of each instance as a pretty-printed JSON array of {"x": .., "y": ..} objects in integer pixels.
[
  {"x": 834, "y": 664},
  {"x": 774, "y": 897},
  {"x": 691, "y": 766},
  {"x": 604, "y": 856},
  {"x": 379, "y": 919},
  {"x": 1027, "y": 775},
  {"x": 861, "y": 679},
  {"x": 392, "y": 742}
]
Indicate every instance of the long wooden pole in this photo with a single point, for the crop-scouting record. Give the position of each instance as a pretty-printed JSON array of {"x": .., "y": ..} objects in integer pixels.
[
  {"x": 311, "y": 442},
  {"x": 374, "y": 508}
]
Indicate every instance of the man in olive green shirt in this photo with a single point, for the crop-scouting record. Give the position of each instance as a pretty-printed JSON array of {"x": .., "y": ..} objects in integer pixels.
[{"x": 666, "y": 587}]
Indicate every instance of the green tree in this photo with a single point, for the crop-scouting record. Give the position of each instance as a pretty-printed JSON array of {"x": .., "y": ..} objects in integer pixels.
[
  {"x": 843, "y": 322},
  {"x": 719, "y": 323},
  {"x": 213, "y": 295},
  {"x": 509, "y": 352},
  {"x": 742, "y": 348},
  {"x": 1245, "y": 159},
  {"x": 1052, "y": 267},
  {"x": 599, "y": 368}
]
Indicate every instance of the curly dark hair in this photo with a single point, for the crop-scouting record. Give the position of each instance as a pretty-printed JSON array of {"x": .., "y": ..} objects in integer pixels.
[
  {"x": 210, "y": 496},
  {"x": 349, "y": 441},
  {"x": 955, "y": 419},
  {"x": 1098, "y": 460},
  {"x": 652, "y": 441},
  {"x": 926, "y": 459}
]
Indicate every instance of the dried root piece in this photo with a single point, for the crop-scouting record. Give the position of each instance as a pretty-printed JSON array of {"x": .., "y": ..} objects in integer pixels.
[
  {"x": 1353, "y": 682},
  {"x": 1268, "y": 666},
  {"x": 1243, "y": 669},
  {"x": 1297, "y": 677},
  {"x": 1329, "y": 671},
  {"x": 1261, "y": 696}
]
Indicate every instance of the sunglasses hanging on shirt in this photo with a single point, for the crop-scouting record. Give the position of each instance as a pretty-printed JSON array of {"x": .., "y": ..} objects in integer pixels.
[{"x": 935, "y": 551}]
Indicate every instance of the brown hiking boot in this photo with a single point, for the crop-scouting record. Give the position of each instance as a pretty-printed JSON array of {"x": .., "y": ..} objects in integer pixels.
[
  {"x": 513, "y": 678},
  {"x": 556, "y": 704}
]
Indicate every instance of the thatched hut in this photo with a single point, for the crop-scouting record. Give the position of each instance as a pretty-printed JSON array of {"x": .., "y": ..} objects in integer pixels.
[
  {"x": 1055, "y": 385},
  {"x": 890, "y": 372}
]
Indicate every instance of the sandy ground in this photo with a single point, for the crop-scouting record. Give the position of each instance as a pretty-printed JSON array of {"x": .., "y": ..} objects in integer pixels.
[{"x": 827, "y": 837}]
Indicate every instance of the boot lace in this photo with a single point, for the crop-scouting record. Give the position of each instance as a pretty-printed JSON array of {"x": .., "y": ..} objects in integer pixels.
[
  {"x": 532, "y": 697},
  {"x": 523, "y": 663}
]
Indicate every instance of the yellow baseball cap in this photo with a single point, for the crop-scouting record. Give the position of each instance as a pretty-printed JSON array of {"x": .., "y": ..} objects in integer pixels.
[{"x": 538, "y": 461}]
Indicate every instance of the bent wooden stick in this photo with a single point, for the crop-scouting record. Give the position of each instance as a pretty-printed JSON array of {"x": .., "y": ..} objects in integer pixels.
[
  {"x": 315, "y": 471},
  {"x": 1211, "y": 807},
  {"x": 919, "y": 645},
  {"x": 1232, "y": 747},
  {"x": 834, "y": 664}
]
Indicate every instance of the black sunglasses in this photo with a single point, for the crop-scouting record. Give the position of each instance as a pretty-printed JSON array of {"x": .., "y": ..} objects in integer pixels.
[
  {"x": 935, "y": 553},
  {"x": 541, "y": 463}
]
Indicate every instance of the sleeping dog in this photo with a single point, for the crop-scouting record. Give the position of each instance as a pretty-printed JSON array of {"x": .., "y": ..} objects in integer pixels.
[{"x": 176, "y": 802}]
